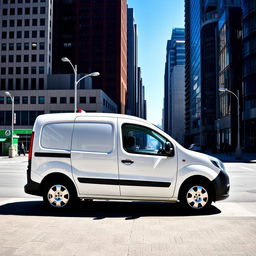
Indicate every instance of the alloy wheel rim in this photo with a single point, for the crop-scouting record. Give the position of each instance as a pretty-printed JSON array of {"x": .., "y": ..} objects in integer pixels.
[
  {"x": 58, "y": 196},
  {"x": 197, "y": 197}
]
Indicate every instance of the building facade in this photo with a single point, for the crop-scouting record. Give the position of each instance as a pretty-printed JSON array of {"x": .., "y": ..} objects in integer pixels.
[
  {"x": 175, "y": 56},
  {"x": 249, "y": 73},
  {"x": 93, "y": 35},
  {"x": 132, "y": 64},
  {"x": 26, "y": 44},
  {"x": 192, "y": 72},
  {"x": 217, "y": 24}
]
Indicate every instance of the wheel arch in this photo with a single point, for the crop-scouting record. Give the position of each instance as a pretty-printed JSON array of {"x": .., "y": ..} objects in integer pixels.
[
  {"x": 197, "y": 178},
  {"x": 55, "y": 177}
]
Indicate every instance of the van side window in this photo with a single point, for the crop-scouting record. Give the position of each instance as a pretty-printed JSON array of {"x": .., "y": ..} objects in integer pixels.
[
  {"x": 142, "y": 140},
  {"x": 93, "y": 137},
  {"x": 57, "y": 136}
]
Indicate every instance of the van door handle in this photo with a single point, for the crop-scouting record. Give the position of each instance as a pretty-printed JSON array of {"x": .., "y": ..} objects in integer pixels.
[{"x": 127, "y": 161}]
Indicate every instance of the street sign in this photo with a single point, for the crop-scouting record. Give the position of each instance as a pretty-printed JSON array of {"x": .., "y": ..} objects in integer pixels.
[{"x": 8, "y": 133}]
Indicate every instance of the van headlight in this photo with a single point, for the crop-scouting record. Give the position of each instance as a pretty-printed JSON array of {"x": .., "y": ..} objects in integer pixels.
[{"x": 217, "y": 163}]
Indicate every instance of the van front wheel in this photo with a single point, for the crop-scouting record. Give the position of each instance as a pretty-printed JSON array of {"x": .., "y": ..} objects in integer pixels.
[
  {"x": 58, "y": 195},
  {"x": 196, "y": 197}
]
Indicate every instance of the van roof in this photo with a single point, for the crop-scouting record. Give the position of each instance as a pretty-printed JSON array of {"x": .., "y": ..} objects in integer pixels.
[{"x": 71, "y": 116}]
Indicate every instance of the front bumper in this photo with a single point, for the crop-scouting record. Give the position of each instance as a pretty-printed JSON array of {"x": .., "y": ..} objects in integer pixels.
[{"x": 221, "y": 186}]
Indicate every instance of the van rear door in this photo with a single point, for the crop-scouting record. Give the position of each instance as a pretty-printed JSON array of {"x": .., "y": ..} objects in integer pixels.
[{"x": 94, "y": 156}]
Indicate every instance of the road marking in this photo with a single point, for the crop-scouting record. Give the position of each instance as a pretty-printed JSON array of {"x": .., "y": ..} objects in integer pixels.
[{"x": 246, "y": 168}]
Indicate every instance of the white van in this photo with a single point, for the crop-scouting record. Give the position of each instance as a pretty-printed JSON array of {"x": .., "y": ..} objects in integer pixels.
[{"x": 111, "y": 156}]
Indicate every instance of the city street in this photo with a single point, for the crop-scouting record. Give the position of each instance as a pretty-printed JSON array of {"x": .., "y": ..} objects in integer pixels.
[{"x": 125, "y": 228}]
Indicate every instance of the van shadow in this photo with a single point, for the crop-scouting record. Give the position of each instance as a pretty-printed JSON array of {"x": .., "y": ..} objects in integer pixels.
[{"x": 104, "y": 209}]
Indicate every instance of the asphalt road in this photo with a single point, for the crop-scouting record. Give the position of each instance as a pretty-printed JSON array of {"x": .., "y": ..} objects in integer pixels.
[{"x": 124, "y": 228}]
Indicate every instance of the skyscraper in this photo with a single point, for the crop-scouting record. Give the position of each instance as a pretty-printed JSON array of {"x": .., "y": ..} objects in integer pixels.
[
  {"x": 132, "y": 64},
  {"x": 193, "y": 71},
  {"x": 249, "y": 73},
  {"x": 93, "y": 35},
  {"x": 175, "y": 56}
]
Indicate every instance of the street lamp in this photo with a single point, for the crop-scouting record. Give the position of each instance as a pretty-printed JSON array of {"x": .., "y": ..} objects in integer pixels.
[
  {"x": 65, "y": 59},
  {"x": 238, "y": 148},
  {"x": 11, "y": 150}
]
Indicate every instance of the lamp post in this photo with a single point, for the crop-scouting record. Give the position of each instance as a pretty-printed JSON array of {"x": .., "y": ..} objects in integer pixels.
[
  {"x": 11, "y": 149},
  {"x": 65, "y": 59},
  {"x": 238, "y": 148}
]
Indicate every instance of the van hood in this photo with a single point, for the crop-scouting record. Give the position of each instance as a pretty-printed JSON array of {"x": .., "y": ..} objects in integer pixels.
[{"x": 189, "y": 157}]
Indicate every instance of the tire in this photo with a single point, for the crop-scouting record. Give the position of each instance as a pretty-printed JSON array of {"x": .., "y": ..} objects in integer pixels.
[
  {"x": 59, "y": 195},
  {"x": 196, "y": 196}
]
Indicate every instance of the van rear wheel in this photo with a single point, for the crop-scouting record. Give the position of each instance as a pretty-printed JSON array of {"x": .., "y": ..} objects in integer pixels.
[
  {"x": 196, "y": 197},
  {"x": 59, "y": 195}
]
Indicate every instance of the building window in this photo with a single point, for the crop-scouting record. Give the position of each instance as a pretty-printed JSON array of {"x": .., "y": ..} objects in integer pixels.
[
  {"x": 35, "y": 10},
  {"x": 33, "y": 57},
  {"x": 11, "y": 46},
  {"x": 82, "y": 100},
  {"x": 24, "y": 99},
  {"x": 34, "y": 34},
  {"x": 41, "y": 83},
  {"x": 19, "y": 11},
  {"x": 10, "y": 71},
  {"x": 18, "y": 58},
  {"x": 18, "y": 34},
  {"x": 42, "y": 10},
  {"x": 3, "y": 58},
  {"x": 18, "y": 84},
  {"x": 4, "y": 47},
  {"x": 19, "y": 23},
  {"x": 41, "y": 100},
  {"x": 10, "y": 84},
  {"x": 27, "y": 11},
  {"x": 63, "y": 100},
  {"x": 2, "y": 85},
  {"x": 1, "y": 100},
  {"x": 32, "y": 99},
  {"x": 42, "y": 33},
  {"x": 16, "y": 100},
  {"x": 33, "y": 70},
  {"x": 26, "y": 58},
  {"x": 4, "y": 23},
  {"x": 11, "y": 23},
  {"x": 42, "y": 22},
  {"x": 26, "y": 34},
  {"x": 34, "y": 22},
  {"x": 41, "y": 45},
  {"x": 41, "y": 70},
  {"x": 5, "y": 12},
  {"x": 27, "y": 22},
  {"x": 18, "y": 46},
  {"x": 71, "y": 100},
  {"x": 11, "y": 58},
  {"x": 41, "y": 57},
  {"x": 4, "y": 35},
  {"x": 53, "y": 100},
  {"x": 25, "y": 83},
  {"x": 3, "y": 71},
  {"x": 12, "y": 11},
  {"x": 11, "y": 34},
  {"x": 18, "y": 70},
  {"x": 8, "y": 100},
  {"x": 26, "y": 46},
  {"x": 33, "y": 84},
  {"x": 25, "y": 70},
  {"x": 92, "y": 100}
]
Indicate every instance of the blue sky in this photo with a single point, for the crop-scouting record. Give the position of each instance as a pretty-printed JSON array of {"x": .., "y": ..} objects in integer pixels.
[{"x": 155, "y": 19}]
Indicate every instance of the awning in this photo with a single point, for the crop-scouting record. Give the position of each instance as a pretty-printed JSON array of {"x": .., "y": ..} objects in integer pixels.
[{"x": 2, "y": 139}]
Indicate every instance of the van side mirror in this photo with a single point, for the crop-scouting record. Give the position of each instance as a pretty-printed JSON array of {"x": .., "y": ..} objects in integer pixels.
[{"x": 168, "y": 148}]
